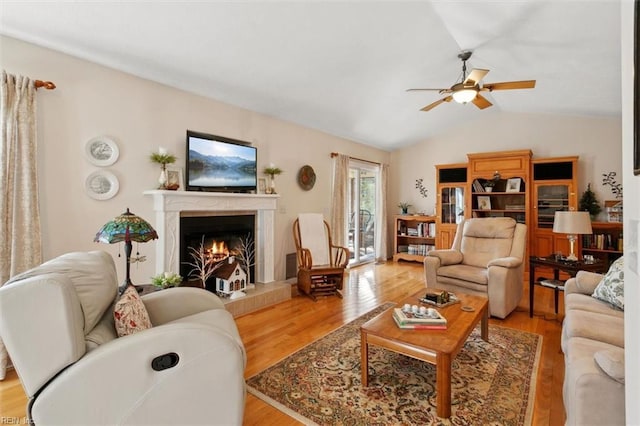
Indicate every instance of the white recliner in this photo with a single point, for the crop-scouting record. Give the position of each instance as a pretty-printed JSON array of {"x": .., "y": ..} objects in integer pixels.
[
  {"x": 57, "y": 323},
  {"x": 486, "y": 259}
]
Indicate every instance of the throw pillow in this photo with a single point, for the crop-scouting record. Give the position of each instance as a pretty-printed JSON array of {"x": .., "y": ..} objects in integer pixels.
[
  {"x": 130, "y": 314},
  {"x": 611, "y": 287},
  {"x": 612, "y": 362}
]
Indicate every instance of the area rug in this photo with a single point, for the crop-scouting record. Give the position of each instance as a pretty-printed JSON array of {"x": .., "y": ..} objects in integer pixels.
[{"x": 492, "y": 382}]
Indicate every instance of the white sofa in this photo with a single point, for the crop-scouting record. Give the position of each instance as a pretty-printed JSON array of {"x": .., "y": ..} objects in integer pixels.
[
  {"x": 592, "y": 337},
  {"x": 57, "y": 323}
]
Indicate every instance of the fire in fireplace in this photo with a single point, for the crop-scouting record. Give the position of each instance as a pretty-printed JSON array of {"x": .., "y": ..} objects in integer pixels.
[
  {"x": 221, "y": 237},
  {"x": 218, "y": 251}
]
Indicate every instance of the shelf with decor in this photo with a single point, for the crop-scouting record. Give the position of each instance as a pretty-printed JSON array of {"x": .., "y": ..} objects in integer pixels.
[
  {"x": 415, "y": 235},
  {"x": 605, "y": 243},
  {"x": 500, "y": 203},
  {"x": 500, "y": 184}
]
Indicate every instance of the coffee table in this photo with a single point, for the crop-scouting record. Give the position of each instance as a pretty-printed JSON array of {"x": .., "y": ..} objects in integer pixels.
[{"x": 438, "y": 347}]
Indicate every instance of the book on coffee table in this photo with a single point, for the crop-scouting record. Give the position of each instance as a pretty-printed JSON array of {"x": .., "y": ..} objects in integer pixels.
[
  {"x": 411, "y": 318},
  {"x": 418, "y": 326}
]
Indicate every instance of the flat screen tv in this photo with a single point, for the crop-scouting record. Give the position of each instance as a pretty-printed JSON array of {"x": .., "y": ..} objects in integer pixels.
[{"x": 219, "y": 164}]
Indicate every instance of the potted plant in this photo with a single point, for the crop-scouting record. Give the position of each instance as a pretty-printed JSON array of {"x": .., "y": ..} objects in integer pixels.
[
  {"x": 163, "y": 158},
  {"x": 589, "y": 203},
  {"x": 166, "y": 280},
  {"x": 272, "y": 171},
  {"x": 490, "y": 183},
  {"x": 404, "y": 207}
]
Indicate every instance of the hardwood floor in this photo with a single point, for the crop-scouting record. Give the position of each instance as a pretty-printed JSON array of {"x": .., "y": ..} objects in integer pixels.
[{"x": 275, "y": 332}]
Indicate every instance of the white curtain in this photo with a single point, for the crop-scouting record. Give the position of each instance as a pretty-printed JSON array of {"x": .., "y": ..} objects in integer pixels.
[
  {"x": 381, "y": 215},
  {"x": 20, "y": 245},
  {"x": 339, "y": 201}
]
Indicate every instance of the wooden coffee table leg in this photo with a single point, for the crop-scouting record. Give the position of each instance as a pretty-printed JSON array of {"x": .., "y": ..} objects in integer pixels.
[
  {"x": 364, "y": 358},
  {"x": 443, "y": 385},
  {"x": 484, "y": 324}
]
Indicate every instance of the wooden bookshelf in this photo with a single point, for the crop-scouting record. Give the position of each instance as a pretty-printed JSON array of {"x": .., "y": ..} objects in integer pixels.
[{"x": 415, "y": 235}]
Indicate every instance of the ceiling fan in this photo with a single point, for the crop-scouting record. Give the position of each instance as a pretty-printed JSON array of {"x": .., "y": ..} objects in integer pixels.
[{"x": 468, "y": 90}]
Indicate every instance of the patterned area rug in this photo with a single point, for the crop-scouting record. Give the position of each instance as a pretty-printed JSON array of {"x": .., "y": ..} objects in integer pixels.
[{"x": 492, "y": 382}]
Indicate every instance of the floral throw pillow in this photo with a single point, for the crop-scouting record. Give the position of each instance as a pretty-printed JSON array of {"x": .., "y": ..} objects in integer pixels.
[
  {"x": 130, "y": 314},
  {"x": 611, "y": 288}
]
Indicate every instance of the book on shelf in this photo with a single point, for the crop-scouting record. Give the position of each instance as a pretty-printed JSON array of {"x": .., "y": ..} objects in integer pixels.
[
  {"x": 477, "y": 186},
  {"x": 420, "y": 249},
  {"x": 410, "y": 318}
]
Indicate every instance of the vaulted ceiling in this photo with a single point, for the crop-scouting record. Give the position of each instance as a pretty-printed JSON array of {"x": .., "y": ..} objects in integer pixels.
[{"x": 343, "y": 67}]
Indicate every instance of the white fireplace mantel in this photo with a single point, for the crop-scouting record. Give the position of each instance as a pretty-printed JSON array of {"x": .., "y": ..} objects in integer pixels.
[{"x": 169, "y": 205}]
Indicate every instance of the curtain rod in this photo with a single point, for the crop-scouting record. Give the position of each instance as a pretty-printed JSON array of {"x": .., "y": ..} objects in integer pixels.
[
  {"x": 49, "y": 85},
  {"x": 335, "y": 154}
]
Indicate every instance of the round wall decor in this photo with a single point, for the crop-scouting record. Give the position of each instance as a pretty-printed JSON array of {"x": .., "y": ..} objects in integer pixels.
[
  {"x": 102, "y": 185},
  {"x": 102, "y": 151},
  {"x": 306, "y": 177}
]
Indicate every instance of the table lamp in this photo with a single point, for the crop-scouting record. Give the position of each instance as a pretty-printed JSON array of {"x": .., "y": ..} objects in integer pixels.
[
  {"x": 572, "y": 223},
  {"x": 127, "y": 227}
]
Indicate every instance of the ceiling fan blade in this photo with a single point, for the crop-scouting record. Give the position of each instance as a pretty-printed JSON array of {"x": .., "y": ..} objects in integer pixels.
[
  {"x": 508, "y": 85},
  {"x": 435, "y": 90},
  {"x": 475, "y": 76},
  {"x": 481, "y": 102},
  {"x": 436, "y": 103}
]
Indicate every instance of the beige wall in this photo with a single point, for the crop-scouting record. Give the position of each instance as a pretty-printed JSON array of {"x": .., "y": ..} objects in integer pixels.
[
  {"x": 596, "y": 140},
  {"x": 140, "y": 115}
]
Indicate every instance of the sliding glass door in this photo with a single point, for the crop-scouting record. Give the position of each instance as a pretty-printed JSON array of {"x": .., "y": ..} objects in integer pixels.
[{"x": 361, "y": 228}]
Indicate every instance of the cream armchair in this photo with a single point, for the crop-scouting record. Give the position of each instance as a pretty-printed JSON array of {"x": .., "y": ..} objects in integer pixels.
[
  {"x": 486, "y": 259},
  {"x": 57, "y": 323}
]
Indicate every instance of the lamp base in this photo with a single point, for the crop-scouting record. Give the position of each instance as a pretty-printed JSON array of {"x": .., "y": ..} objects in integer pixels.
[
  {"x": 126, "y": 283},
  {"x": 572, "y": 256}
]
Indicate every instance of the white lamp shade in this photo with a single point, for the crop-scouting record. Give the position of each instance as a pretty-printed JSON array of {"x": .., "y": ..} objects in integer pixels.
[
  {"x": 465, "y": 95},
  {"x": 572, "y": 223}
]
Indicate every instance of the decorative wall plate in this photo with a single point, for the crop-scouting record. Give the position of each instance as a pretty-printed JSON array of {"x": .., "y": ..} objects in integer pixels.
[
  {"x": 102, "y": 185},
  {"x": 102, "y": 151},
  {"x": 306, "y": 177}
]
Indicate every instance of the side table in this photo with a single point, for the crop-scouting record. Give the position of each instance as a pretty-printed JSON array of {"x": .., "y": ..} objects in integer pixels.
[{"x": 569, "y": 267}]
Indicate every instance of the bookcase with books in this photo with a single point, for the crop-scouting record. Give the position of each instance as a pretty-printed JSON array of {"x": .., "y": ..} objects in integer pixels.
[
  {"x": 414, "y": 237},
  {"x": 605, "y": 242}
]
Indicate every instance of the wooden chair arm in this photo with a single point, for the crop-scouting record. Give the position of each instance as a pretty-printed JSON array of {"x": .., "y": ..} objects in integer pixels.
[
  {"x": 340, "y": 256},
  {"x": 304, "y": 258}
]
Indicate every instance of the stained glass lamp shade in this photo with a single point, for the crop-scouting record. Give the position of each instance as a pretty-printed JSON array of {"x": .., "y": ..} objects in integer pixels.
[{"x": 127, "y": 227}]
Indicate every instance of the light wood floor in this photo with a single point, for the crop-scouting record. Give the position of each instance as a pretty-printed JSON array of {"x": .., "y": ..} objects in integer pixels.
[{"x": 275, "y": 332}]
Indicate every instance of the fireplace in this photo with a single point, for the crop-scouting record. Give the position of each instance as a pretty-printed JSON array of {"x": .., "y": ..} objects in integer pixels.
[
  {"x": 221, "y": 235},
  {"x": 171, "y": 206}
]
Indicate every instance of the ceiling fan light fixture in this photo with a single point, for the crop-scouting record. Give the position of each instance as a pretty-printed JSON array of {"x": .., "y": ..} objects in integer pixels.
[{"x": 464, "y": 95}]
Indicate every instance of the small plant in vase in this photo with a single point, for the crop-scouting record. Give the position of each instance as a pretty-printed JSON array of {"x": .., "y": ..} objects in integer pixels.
[
  {"x": 166, "y": 280},
  {"x": 490, "y": 183},
  {"x": 272, "y": 171},
  {"x": 163, "y": 158},
  {"x": 404, "y": 207}
]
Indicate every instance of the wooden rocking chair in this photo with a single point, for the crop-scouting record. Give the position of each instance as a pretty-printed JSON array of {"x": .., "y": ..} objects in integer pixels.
[{"x": 320, "y": 264}]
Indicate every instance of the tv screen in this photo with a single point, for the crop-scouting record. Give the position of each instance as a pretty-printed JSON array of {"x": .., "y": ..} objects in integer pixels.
[{"x": 219, "y": 164}]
